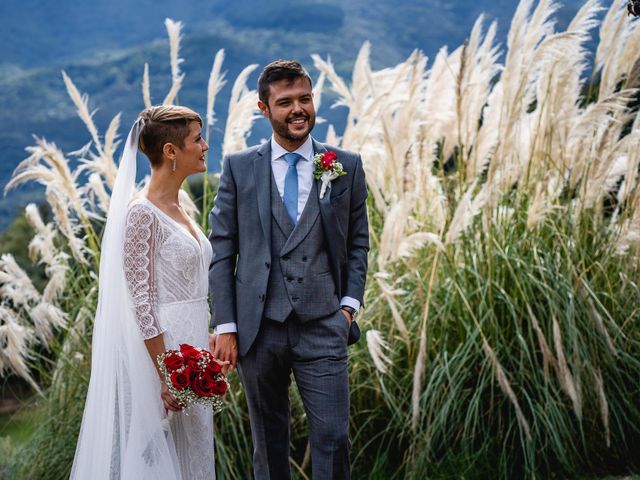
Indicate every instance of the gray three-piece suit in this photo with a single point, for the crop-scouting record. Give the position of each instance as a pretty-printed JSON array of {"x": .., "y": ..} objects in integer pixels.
[{"x": 282, "y": 285}]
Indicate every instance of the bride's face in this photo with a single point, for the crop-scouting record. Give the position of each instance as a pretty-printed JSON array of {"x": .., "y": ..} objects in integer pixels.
[{"x": 190, "y": 158}]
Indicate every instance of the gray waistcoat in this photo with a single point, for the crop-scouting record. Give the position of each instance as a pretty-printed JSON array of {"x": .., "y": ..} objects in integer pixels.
[{"x": 300, "y": 278}]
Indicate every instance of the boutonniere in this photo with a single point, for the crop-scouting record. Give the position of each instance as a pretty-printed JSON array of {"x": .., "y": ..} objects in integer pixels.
[{"x": 327, "y": 169}]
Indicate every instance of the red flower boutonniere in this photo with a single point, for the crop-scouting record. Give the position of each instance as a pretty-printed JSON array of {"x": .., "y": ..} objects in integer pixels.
[{"x": 327, "y": 169}]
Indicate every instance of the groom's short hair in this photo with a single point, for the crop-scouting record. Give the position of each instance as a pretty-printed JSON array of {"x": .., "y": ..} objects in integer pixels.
[
  {"x": 279, "y": 70},
  {"x": 164, "y": 124}
]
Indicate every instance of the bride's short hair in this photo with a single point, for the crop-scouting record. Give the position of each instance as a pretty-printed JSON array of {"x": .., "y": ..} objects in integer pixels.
[{"x": 164, "y": 124}]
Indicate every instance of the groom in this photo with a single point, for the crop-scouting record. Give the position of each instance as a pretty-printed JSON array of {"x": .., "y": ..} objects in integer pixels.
[{"x": 287, "y": 277}]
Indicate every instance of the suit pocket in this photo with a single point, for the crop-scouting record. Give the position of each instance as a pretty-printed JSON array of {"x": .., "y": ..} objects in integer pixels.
[
  {"x": 323, "y": 274},
  {"x": 340, "y": 204},
  {"x": 339, "y": 195},
  {"x": 344, "y": 326}
]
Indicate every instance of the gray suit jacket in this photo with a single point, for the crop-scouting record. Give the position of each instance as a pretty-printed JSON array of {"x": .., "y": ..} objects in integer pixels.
[{"x": 241, "y": 236}]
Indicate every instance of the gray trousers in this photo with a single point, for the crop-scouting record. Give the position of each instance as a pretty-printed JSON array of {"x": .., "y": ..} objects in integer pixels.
[{"x": 316, "y": 353}]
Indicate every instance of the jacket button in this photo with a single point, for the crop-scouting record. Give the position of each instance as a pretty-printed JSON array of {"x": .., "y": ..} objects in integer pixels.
[
  {"x": 299, "y": 279},
  {"x": 295, "y": 299},
  {"x": 289, "y": 279},
  {"x": 285, "y": 258},
  {"x": 304, "y": 259}
]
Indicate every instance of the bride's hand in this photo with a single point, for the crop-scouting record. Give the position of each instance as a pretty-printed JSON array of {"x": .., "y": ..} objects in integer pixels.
[{"x": 170, "y": 402}]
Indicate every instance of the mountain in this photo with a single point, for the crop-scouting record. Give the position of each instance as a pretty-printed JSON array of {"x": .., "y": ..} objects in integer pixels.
[{"x": 103, "y": 46}]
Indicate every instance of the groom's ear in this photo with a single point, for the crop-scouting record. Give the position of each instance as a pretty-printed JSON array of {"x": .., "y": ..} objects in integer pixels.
[{"x": 263, "y": 108}]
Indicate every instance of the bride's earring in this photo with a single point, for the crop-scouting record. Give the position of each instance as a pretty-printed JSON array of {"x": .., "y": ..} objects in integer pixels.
[{"x": 173, "y": 165}]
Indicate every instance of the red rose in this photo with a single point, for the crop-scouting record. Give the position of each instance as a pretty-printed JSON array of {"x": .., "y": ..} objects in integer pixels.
[
  {"x": 213, "y": 368},
  {"x": 188, "y": 351},
  {"x": 327, "y": 159},
  {"x": 221, "y": 387},
  {"x": 191, "y": 355},
  {"x": 173, "y": 362},
  {"x": 203, "y": 385},
  {"x": 181, "y": 379},
  {"x": 191, "y": 372},
  {"x": 194, "y": 365}
]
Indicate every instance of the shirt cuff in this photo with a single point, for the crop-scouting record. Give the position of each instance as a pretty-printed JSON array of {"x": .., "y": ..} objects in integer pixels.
[
  {"x": 350, "y": 302},
  {"x": 230, "y": 327}
]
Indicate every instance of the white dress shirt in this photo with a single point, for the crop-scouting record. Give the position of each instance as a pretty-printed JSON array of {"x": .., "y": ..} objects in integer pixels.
[{"x": 279, "y": 166}]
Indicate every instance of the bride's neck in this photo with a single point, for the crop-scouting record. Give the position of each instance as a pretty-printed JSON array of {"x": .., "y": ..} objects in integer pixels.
[{"x": 163, "y": 188}]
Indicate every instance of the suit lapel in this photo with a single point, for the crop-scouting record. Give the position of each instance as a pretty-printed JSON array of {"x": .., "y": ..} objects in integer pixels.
[
  {"x": 329, "y": 218},
  {"x": 262, "y": 178},
  {"x": 333, "y": 235}
]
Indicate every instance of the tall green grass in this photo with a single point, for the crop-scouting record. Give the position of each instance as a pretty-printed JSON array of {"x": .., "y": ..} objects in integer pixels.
[{"x": 499, "y": 287}]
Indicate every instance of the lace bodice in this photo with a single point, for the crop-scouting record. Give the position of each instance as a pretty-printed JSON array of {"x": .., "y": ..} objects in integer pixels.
[
  {"x": 163, "y": 264},
  {"x": 166, "y": 271}
]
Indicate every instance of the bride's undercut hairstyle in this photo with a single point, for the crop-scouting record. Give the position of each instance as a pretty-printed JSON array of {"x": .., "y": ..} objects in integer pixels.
[
  {"x": 289, "y": 70},
  {"x": 164, "y": 124}
]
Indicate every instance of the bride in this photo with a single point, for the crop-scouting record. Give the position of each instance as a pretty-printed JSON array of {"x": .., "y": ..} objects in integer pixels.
[{"x": 153, "y": 296}]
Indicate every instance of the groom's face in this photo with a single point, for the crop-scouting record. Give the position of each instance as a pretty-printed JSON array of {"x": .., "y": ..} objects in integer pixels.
[{"x": 290, "y": 109}]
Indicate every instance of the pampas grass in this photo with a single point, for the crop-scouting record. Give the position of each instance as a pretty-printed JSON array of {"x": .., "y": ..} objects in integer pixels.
[
  {"x": 28, "y": 319},
  {"x": 525, "y": 143},
  {"x": 15, "y": 285},
  {"x": 97, "y": 191},
  {"x": 378, "y": 348},
  {"x": 505, "y": 386},
  {"x": 243, "y": 111},
  {"x": 216, "y": 82},
  {"x": 42, "y": 244},
  {"x": 16, "y": 341},
  {"x": 174, "y": 30},
  {"x": 48, "y": 166},
  {"x": 81, "y": 101},
  {"x": 146, "y": 87}
]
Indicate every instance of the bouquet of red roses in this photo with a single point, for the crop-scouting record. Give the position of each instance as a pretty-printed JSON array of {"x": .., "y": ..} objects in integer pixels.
[{"x": 193, "y": 376}]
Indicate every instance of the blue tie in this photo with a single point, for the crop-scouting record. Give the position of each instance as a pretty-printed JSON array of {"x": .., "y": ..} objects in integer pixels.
[{"x": 290, "y": 197}]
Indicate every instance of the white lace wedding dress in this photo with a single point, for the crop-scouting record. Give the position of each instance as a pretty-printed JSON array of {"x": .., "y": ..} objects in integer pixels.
[{"x": 166, "y": 271}]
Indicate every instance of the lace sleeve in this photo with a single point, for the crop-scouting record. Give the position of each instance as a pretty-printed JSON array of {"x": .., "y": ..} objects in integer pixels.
[{"x": 140, "y": 244}]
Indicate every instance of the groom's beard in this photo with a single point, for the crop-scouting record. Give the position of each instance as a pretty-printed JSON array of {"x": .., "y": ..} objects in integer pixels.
[{"x": 282, "y": 128}]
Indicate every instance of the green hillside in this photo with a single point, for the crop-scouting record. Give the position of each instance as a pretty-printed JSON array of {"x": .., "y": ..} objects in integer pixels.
[{"x": 103, "y": 47}]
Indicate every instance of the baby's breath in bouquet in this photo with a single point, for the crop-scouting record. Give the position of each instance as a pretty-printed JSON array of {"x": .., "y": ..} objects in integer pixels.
[{"x": 193, "y": 376}]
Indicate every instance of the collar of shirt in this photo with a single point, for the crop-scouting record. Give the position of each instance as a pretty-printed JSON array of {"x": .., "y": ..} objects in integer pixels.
[{"x": 305, "y": 150}]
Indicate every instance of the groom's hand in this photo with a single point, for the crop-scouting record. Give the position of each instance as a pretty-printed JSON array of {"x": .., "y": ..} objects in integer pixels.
[
  {"x": 225, "y": 349},
  {"x": 347, "y": 315}
]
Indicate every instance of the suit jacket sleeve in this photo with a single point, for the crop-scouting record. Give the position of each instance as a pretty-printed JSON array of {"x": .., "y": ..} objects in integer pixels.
[
  {"x": 358, "y": 236},
  {"x": 224, "y": 242}
]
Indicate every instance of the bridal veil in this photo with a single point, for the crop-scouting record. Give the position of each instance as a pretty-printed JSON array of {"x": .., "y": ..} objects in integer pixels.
[{"x": 124, "y": 434}]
